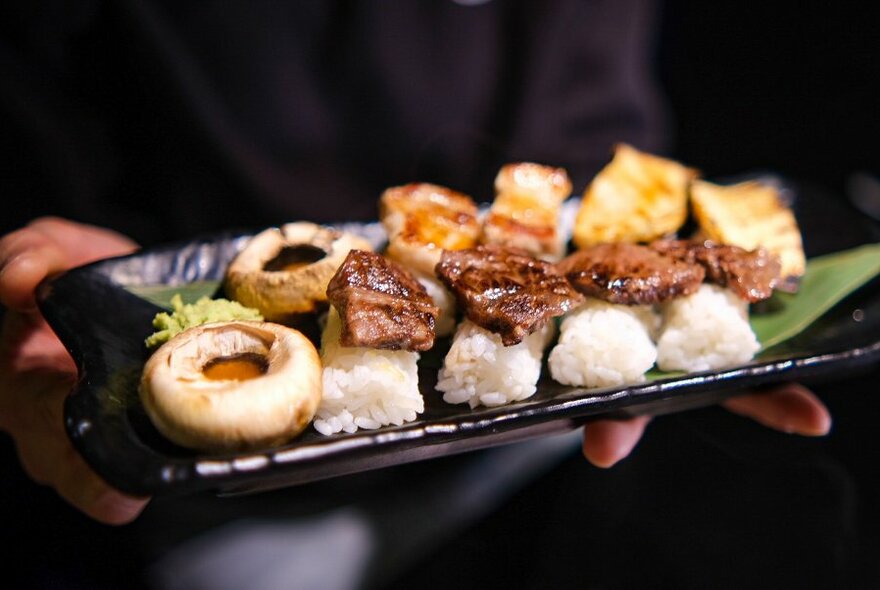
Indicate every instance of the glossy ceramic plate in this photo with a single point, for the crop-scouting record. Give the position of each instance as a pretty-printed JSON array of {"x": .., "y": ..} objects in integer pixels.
[{"x": 102, "y": 313}]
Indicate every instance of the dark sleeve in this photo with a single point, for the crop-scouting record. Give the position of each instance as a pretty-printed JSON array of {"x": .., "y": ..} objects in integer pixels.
[
  {"x": 590, "y": 84},
  {"x": 56, "y": 154},
  {"x": 164, "y": 119}
]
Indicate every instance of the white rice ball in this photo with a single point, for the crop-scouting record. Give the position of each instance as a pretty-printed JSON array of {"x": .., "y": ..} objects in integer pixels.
[
  {"x": 480, "y": 370},
  {"x": 365, "y": 387},
  {"x": 604, "y": 345},
  {"x": 445, "y": 300},
  {"x": 706, "y": 331}
]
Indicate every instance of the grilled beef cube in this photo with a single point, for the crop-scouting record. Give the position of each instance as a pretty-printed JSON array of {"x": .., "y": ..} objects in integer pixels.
[
  {"x": 381, "y": 305},
  {"x": 504, "y": 290},
  {"x": 751, "y": 274},
  {"x": 630, "y": 274}
]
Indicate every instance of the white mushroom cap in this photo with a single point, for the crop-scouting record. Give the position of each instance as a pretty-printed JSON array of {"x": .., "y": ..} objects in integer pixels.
[
  {"x": 197, "y": 412},
  {"x": 279, "y": 294}
]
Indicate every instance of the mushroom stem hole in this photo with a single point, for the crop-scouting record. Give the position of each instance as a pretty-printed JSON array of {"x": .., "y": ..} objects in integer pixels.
[
  {"x": 291, "y": 258},
  {"x": 237, "y": 367}
]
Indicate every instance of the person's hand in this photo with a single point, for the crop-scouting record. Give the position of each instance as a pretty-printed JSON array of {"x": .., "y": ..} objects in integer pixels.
[
  {"x": 37, "y": 373},
  {"x": 790, "y": 408}
]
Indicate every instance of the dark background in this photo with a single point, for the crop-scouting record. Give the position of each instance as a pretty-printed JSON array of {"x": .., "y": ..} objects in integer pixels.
[
  {"x": 790, "y": 88},
  {"x": 773, "y": 86},
  {"x": 751, "y": 87}
]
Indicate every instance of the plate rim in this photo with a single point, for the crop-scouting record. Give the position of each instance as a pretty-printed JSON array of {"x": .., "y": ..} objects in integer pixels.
[{"x": 156, "y": 473}]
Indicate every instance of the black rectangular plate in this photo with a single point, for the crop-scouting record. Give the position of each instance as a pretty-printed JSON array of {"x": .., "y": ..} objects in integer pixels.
[{"x": 103, "y": 325}]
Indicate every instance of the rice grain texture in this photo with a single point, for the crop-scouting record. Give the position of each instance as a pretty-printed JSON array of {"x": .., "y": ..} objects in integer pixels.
[
  {"x": 365, "y": 387},
  {"x": 604, "y": 344},
  {"x": 706, "y": 331},
  {"x": 480, "y": 370}
]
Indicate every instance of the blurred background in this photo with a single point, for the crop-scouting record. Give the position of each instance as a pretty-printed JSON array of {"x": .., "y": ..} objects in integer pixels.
[
  {"x": 790, "y": 88},
  {"x": 781, "y": 86},
  {"x": 787, "y": 88}
]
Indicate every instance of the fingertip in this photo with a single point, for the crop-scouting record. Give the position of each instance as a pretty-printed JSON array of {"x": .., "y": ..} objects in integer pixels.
[
  {"x": 814, "y": 419},
  {"x": 115, "y": 508},
  {"x": 90, "y": 494},
  {"x": 607, "y": 442},
  {"x": 99, "y": 501},
  {"x": 790, "y": 408},
  {"x": 84, "y": 243},
  {"x": 824, "y": 423},
  {"x": 23, "y": 269},
  {"x": 18, "y": 279}
]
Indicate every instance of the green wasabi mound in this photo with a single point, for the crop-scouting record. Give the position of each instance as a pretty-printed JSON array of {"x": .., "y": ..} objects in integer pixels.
[{"x": 188, "y": 315}]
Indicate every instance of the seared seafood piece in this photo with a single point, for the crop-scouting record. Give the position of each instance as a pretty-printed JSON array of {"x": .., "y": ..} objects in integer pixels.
[
  {"x": 525, "y": 212},
  {"x": 751, "y": 215},
  {"x": 630, "y": 274},
  {"x": 751, "y": 274},
  {"x": 505, "y": 290},
  {"x": 284, "y": 271},
  {"x": 423, "y": 219},
  {"x": 381, "y": 305},
  {"x": 637, "y": 197}
]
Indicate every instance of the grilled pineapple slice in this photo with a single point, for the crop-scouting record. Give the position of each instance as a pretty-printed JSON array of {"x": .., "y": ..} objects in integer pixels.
[
  {"x": 637, "y": 197},
  {"x": 751, "y": 215},
  {"x": 525, "y": 212}
]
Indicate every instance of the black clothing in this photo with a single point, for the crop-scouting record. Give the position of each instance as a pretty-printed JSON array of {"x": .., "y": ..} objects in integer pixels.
[{"x": 163, "y": 119}]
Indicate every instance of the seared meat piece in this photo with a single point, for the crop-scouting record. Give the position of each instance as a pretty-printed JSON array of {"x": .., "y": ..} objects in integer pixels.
[
  {"x": 751, "y": 274},
  {"x": 504, "y": 290},
  {"x": 381, "y": 305},
  {"x": 630, "y": 274}
]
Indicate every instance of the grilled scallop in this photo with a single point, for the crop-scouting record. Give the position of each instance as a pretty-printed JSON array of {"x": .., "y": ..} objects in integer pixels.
[
  {"x": 284, "y": 271},
  {"x": 424, "y": 219},
  {"x": 525, "y": 212},
  {"x": 232, "y": 385},
  {"x": 637, "y": 197}
]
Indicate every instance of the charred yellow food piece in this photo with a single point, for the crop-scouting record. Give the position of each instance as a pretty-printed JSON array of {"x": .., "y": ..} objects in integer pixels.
[
  {"x": 637, "y": 197},
  {"x": 525, "y": 212},
  {"x": 751, "y": 215}
]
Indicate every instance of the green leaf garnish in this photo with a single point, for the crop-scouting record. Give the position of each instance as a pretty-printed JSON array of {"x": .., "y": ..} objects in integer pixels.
[
  {"x": 827, "y": 280},
  {"x": 161, "y": 294}
]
